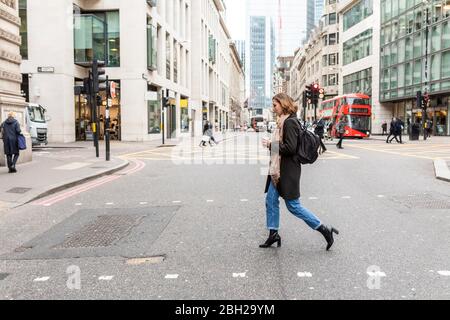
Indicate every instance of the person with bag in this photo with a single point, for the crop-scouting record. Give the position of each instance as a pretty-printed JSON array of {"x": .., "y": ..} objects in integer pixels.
[
  {"x": 284, "y": 174},
  {"x": 11, "y": 134},
  {"x": 320, "y": 131},
  {"x": 340, "y": 128}
]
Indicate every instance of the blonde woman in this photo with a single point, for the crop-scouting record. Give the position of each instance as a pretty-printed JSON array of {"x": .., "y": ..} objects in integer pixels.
[{"x": 284, "y": 174}]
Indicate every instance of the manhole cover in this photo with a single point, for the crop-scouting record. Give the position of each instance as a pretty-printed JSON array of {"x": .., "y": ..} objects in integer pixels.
[
  {"x": 422, "y": 201},
  {"x": 102, "y": 232},
  {"x": 3, "y": 276},
  {"x": 18, "y": 190}
]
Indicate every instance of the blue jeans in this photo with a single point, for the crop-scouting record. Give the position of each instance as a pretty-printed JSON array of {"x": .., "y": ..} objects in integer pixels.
[{"x": 294, "y": 207}]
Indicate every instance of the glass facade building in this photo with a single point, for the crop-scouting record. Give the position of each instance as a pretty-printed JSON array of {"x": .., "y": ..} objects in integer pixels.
[
  {"x": 409, "y": 64},
  {"x": 258, "y": 62}
]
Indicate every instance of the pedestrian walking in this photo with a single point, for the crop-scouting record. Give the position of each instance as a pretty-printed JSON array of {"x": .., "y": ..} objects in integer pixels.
[
  {"x": 384, "y": 128},
  {"x": 392, "y": 132},
  {"x": 429, "y": 128},
  {"x": 10, "y": 131},
  {"x": 284, "y": 174},
  {"x": 211, "y": 134},
  {"x": 340, "y": 128},
  {"x": 320, "y": 131},
  {"x": 398, "y": 126}
]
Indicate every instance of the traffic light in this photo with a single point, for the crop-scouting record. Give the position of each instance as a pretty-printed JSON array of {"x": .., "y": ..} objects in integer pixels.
[
  {"x": 165, "y": 102},
  {"x": 419, "y": 100},
  {"x": 309, "y": 93},
  {"x": 426, "y": 101},
  {"x": 99, "y": 76},
  {"x": 321, "y": 93},
  {"x": 315, "y": 93}
]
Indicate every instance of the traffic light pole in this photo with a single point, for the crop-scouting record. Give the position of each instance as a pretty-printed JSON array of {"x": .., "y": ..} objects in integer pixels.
[
  {"x": 107, "y": 119},
  {"x": 304, "y": 106},
  {"x": 93, "y": 103},
  {"x": 424, "y": 118}
]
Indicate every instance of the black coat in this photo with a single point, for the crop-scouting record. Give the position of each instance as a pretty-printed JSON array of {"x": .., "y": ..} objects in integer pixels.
[
  {"x": 10, "y": 130},
  {"x": 290, "y": 166}
]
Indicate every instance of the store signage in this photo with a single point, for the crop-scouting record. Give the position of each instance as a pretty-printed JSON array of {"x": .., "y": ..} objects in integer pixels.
[
  {"x": 46, "y": 69},
  {"x": 151, "y": 96}
]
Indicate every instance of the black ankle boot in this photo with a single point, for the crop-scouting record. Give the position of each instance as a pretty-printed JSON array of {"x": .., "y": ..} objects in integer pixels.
[
  {"x": 273, "y": 237},
  {"x": 328, "y": 234}
]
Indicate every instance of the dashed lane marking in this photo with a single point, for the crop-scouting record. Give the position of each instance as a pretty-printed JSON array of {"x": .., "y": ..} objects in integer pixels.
[
  {"x": 176, "y": 201},
  {"x": 445, "y": 273},
  {"x": 171, "y": 276},
  {"x": 239, "y": 275},
  {"x": 209, "y": 200},
  {"x": 143, "y": 202},
  {"x": 105, "y": 278},
  {"x": 244, "y": 200},
  {"x": 304, "y": 274},
  {"x": 41, "y": 279}
]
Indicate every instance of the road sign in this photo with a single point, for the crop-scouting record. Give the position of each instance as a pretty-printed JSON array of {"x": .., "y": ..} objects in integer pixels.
[{"x": 113, "y": 89}]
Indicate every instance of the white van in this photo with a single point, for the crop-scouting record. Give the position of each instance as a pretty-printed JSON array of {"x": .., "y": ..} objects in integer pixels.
[{"x": 36, "y": 122}]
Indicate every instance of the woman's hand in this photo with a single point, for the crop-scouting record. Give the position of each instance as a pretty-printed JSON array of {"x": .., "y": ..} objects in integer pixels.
[{"x": 266, "y": 143}]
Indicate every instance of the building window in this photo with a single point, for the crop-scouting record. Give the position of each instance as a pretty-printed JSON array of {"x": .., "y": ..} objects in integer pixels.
[
  {"x": 97, "y": 36},
  {"x": 23, "y": 28},
  {"x": 175, "y": 62},
  {"x": 357, "y": 13},
  {"x": 332, "y": 39},
  {"x": 360, "y": 82},
  {"x": 154, "y": 117},
  {"x": 435, "y": 67},
  {"x": 151, "y": 46},
  {"x": 184, "y": 115},
  {"x": 333, "y": 59},
  {"x": 332, "y": 18},
  {"x": 358, "y": 47},
  {"x": 168, "y": 54},
  {"x": 445, "y": 67}
]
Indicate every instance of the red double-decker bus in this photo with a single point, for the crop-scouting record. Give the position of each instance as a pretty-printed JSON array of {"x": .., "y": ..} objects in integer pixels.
[{"x": 356, "y": 108}]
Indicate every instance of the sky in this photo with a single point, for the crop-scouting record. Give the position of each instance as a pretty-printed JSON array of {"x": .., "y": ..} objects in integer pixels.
[{"x": 236, "y": 18}]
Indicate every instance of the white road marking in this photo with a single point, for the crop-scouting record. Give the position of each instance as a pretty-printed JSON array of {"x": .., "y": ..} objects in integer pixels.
[
  {"x": 109, "y": 203},
  {"x": 377, "y": 274},
  {"x": 380, "y": 196},
  {"x": 239, "y": 275},
  {"x": 73, "y": 166},
  {"x": 304, "y": 274},
  {"x": 143, "y": 202},
  {"x": 42, "y": 279},
  {"x": 78, "y": 204},
  {"x": 346, "y": 197},
  {"x": 244, "y": 200},
  {"x": 106, "y": 278},
  {"x": 413, "y": 289},
  {"x": 176, "y": 201},
  {"x": 171, "y": 276},
  {"x": 209, "y": 200},
  {"x": 313, "y": 198},
  {"x": 445, "y": 273},
  {"x": 311, "y": 288}
]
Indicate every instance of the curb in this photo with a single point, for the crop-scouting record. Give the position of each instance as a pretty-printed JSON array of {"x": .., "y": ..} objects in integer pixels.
[
  {"x": 441, "y": 170},
  {"x": 71, "y": 183}
]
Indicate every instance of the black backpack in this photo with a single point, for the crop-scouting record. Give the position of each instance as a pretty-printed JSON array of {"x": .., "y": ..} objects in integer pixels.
[{"x": 308, "y": 145}]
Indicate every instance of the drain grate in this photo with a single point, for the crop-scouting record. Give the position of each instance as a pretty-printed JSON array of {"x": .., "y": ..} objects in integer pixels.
[
  {"x": 18, "y": 190},
  {"x": 102, "y": 232},
  {"x": 3, "y": 276},
  {"x": 422, "y": 201}
]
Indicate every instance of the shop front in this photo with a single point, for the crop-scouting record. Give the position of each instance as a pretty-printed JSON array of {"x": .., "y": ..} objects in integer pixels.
[{"x": 84, "y": 116}]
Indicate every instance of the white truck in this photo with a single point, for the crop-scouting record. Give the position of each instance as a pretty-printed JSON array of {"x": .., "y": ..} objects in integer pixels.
[{"x": 37, "y": 124}]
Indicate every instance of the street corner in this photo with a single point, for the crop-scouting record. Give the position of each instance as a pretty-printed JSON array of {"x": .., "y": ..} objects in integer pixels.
[{"x": 442, "y": 169}]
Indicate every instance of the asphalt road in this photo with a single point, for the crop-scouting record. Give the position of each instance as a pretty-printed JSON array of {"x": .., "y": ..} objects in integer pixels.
[{"x": 194, "y": 219}]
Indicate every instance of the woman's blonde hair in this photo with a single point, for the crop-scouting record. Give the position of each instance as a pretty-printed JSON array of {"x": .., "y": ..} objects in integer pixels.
[
  {"x": 11, "y": 114},
  {"x": 286, "y": 102}
]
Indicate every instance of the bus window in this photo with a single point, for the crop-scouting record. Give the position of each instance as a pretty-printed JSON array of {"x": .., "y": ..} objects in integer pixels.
[{"x": 357, "y": 101}]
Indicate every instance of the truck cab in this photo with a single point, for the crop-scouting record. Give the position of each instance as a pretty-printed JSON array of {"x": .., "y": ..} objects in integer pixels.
[{"x": 37, "y": 123}]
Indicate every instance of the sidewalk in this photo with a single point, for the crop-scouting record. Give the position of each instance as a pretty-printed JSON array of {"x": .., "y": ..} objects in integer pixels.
[{"x": 54, "y": 168}]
